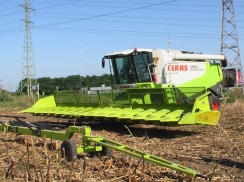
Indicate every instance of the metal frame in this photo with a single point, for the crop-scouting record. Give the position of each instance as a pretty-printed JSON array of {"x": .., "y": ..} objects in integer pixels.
[{"x": 90, "y": 143}]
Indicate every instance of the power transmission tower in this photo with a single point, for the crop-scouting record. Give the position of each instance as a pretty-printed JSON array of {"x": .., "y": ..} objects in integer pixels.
[
  {"x": 229, "y": 39},
  {"x": 28, "y": 66}
]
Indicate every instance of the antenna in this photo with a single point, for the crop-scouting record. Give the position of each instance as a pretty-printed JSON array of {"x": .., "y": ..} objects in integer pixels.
[
  {"x": 169, "y": 43},
  {"x": 28, "y": 66},
  {"x": 81, "y": 70},
  {"x": 229, "y": 39},
  {"x": 80, "y": 61}
]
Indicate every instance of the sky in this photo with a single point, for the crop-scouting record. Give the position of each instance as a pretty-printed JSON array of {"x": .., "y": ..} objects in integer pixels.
[{"x": 70, "y": 37}]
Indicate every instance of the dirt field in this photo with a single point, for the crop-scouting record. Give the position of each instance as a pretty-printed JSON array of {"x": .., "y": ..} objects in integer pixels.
[{"x": 216, "y": 152}]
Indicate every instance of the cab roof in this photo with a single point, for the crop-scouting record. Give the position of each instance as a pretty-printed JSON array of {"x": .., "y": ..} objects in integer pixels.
[{"x": 129, "y": 51}]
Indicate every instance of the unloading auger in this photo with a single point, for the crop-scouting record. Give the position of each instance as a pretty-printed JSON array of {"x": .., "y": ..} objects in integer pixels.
[{"x": 90, "y": 143}]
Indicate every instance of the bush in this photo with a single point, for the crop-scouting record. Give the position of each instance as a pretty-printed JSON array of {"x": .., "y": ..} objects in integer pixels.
[
  {"x": 13, "y": 101},
  {"x": 235, "y": 94},
  {"x": 5, "y": 97}
]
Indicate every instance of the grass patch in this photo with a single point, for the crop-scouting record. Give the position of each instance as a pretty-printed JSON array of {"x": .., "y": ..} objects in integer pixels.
[
  {"x": 235, "y": 94},
  {"x": 16, "y": 102}
]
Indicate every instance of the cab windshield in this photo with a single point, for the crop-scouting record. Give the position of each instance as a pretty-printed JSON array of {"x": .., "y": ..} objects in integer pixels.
[{"x": 130, "y": 69}]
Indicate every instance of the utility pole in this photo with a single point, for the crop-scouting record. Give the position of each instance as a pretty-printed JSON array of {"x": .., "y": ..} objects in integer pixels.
[
  {"x": 81, "y": 83},
  {"x": 28, "y": 66},
  {"x": 169, "y": 43},
  {"x": 1, "y": 88},
  {"x": 229, "y": 40}
]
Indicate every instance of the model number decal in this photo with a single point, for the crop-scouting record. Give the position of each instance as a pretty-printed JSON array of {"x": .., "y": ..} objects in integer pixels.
[{"x": 196, "y": 68}]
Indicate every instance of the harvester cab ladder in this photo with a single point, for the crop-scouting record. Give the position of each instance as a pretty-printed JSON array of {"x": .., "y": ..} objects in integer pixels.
[
  {"x": 90, "y": 143},
  {"x": 170, "y": 96}
]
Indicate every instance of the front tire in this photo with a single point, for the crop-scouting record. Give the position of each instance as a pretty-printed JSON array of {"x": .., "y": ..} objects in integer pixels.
[
  {"x": 106, "y": 151},
  {"x": 214, "y": 103},
  {"x": 69, "y": 150}
]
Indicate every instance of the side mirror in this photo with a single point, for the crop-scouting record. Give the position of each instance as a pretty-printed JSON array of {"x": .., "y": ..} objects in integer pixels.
[
  {"x": 149, "y": 58},
  {"x": 224, "y": 62},
  {"x": 103, "y": 62}
]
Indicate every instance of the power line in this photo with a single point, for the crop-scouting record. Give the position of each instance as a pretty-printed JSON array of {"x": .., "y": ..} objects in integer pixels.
[
  {"x": 9, "y": 34},
  {"x": 56, "y": 4},
  {"x": 9, "y": 23},
  {"x": 5, "y": 2},
  {"x": 99, "y": 30},
  {"x": 120, "y": 31},
  {"x": 137, "y": 33},
  {"x": 137, "y": 22},
  {"x": 131, "y": 22},
  {"x": 8, "y": 9},
  {"x": 9, "y": 14},
  {"x": 130, "y": 17},
  {"x": 152, "y": 23},
  {"x": 126, "y": 2},
  {"x": 106, "y": 14},
  {"x": 133, "y": 17},
  {"x": 110, "y": 16},
  {"x": 9, "y": 29}
]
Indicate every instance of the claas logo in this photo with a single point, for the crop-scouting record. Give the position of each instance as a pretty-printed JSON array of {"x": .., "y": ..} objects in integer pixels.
[
  {"x": 177, "y": 67},
  {"x": 125, "y": 86}
]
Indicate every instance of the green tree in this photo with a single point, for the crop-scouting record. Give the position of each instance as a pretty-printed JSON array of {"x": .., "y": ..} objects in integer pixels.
[
  {"x": 73, "y": 82},
  {"x": 48, "y": 85},
  {"x": 45, "y": 85}
]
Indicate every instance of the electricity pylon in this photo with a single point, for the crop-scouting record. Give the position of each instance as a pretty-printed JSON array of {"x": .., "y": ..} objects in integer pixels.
[
  {"x": 28, "y": 66},
  {"x": 229, "y": 38}
]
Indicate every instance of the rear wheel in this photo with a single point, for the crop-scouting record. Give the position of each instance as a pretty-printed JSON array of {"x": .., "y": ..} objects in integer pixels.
[
  {"x": 106, "y": 151},
  {"x": 214, "y": 103},
  {"x": 68, "y": 150}
]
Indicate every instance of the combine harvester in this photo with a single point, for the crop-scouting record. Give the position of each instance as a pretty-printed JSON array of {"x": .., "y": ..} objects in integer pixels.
[
  {"x": 161, "y": 87},
  {"x": 151, "y": 86}
]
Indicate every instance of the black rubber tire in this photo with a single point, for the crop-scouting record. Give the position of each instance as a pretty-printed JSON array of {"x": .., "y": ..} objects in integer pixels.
[
  {"x": 214, "y": 103},
  {"x": 69, "y": 150},
  {"x": 106, "y": 151}
]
